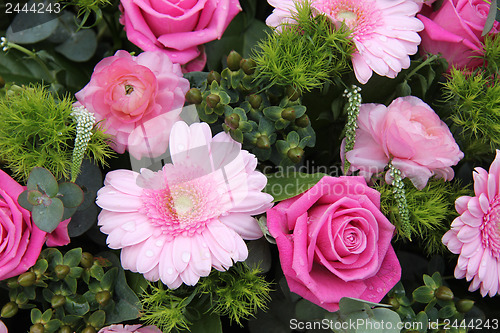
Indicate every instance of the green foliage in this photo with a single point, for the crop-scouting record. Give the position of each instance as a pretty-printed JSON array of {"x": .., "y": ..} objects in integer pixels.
[
  {"x": 283, "y": 185},
  {"x": 474, "y": 100},
  {"x": 73, "y": 289},
  {"x": 271, "y": 122},
  {"x": 306, "y": 52},
  {"x": 238, "y": 293},
  {"x": 37, "y": 131},
  {"x": 431, "y": 210},
  {"x": 437, "y": 305}
]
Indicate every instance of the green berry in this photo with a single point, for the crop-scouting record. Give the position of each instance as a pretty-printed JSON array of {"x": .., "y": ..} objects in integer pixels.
[
  {"x": 295, "y": 154},
  {"x": 248, "y": 66},
  {"x": 37, "y": 328},
  {"x": 61, "y": 271},
  {"x": 288, "y": 114},
  {"x": 263, "y": 142},
  {"x": 193, "y": 96},
  {"x": 255, "y": 101},
  {"x": 233, "y": 60},
  {"x": 103, "y": 297},
  {"x": 213, "y": 100},
  {"x": 87, "y": 260},
  {"x": 303, "y": 121},
  {"x": 213, "y": 76},
  {"x": 292, "y": 93},
  {"x": 65, "y": 329},
  {"x": 464, "y": 305},
  {"x": 233, "y": 121},
  {"x": 9, "y": 310},
  {"x": 26, "y": 279},
  {"x": 89, "y": 329},
  {"x": 57, "y": 301},
  {"x": 444, "y": 293}
]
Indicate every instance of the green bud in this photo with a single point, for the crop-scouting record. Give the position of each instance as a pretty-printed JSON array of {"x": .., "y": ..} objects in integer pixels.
[
  {"x": 193, "y": 96},
  {"x": 233, "y": 60},
  {"x": 87, "y": 260},
  {"x": 302, "y": 121},
  {"x": 9, "y": 310},
  {"x": 248, "y": 66},
  {"x": 37, "y": 328},
  {"x": 394, "y": 303},
  {"x": 263, "y": 142},
  {"x": 65, "y": 329},
  {"x": 57, "y": 301},
  {"x": 233, "y": 121},
  {"x": 295, "y": 154},
  {"x": 103, "y": 297},
  {"x": 292, "y": 93},
  {"x": 89, "y": 329},
  {"x": 26, "y": 279},
  {"x": 12, "y": 283},
  {"x": 288, "y": 114},
  {"x": 464, "y": 305},
  {"x": 2, "y": 82},
  {"x": 213, "y": 76},
  {"x": 444, "y": 293},
  {"x": 213, "y": 100},
  {"x": 255, "y": 101},
  {"x": 61, "y": 271}
]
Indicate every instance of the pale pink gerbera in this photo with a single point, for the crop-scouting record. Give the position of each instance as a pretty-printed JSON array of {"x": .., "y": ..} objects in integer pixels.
[
  {"x": 178, "y": 223},
  {"x": 475, "y": 234},
  {"x": 385, "y": 32}
]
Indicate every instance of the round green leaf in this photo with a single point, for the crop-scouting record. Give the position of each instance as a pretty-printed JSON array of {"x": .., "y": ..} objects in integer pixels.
[
  {"x": 22, "y": 200},
  {"x": 70, "y": 194},
  {"x": 29, "y": 28},
  {"x": 48, "y": 218},
  {"x": 80, "y": 47},
  {"x": 42, "y": 179},
  {"x": 97, "y": 319}
]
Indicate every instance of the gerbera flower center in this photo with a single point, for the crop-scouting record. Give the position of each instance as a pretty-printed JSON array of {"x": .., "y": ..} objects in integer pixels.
[
  {"x": 361, "y": 17},
  {"x": 185, "y": 202},
  {"x": 490, "y": 229}
]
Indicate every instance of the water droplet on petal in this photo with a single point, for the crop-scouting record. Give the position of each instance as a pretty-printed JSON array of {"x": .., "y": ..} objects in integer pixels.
[
  {"x": 186, "y": 256},
  {"x": 204, "y": 244},
  {"x": 379, "y": 290},
  {"x": 370, "y": 288},
  {"x": 130, "y": 226},
  {"x": 170, "y": 271},
  {"x": 180, "y": 146},
  {"x": 159, "y": 243},
  {"x": 383, "y": 38},
  {"x": 207, "y": 254},
  {"x": 149, "y": 253}
]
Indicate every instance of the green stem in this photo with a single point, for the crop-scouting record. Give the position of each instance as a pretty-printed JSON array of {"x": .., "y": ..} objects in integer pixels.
[
  {"x": 35, "y": 57},
  {"x": 425, "y": 63}
]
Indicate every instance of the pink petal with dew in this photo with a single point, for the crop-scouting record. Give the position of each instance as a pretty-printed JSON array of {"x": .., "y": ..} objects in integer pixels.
[
  {"x": 129, "y": 257},
  {"x": 168, "y": 274},
  {"x": 152, "y": 275},
  {"x": 200, "y": 262},
  {"x": 181, "y": 252},
  {"x": 184, "y": 138},
  {"x": 110, "y": 199},
  {"x": 487, "y": 261},
  {"x": 243, "y": 224},
  {"x": 189, "y": 276},
  {"x": 474, "y": 262}
]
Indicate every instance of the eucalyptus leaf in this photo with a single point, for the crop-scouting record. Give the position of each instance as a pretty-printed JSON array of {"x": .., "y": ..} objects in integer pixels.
[
  {"x": 41, "y": 178},
  {"x": 490, "y": 19},
  {"x": 48, "y": 218},
  {"x": 76, "y": 305},
  {"x": 80, "y": 47},
  {"x": 19, "y": 69},
  {"x": 22, "y": 200},
  {"x": 30, "y": 28},
  {"x": 70, "y": 194},
  {"x": 308, "y": 311}
]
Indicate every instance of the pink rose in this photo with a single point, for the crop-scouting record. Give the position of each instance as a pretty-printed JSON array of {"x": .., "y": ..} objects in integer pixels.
[
  {"x": 129, "y": 329},
  {"x": 455, "y": 31},
  {"x": 409, "y": 133},
  {"x": 178, "y": 28},
  {"x": 139, "y": 98},
  {"x": 20, "y": 239},
  {"x": 334, "y": 242}
]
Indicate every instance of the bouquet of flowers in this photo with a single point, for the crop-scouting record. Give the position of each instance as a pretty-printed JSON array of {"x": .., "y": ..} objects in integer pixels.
[{"x": 249, "y": 166}]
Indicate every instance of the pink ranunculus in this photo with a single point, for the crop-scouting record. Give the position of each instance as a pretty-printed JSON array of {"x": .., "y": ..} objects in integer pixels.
[
  {"x": 409, "y": 133},
  {"x": 178, "y": 28},
  {"x": 138, "y": 98},
  {"x": 334, "y": 242},
  {"x": 455, "y": 31},
  {"x": 129, "y": 329},
  {"x": 20, "y": 239}
]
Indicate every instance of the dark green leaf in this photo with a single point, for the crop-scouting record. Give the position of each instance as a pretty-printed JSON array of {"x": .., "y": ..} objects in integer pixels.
[
  {"x": 22, "y": 200},
  {"x": 42, "y": 179},
  {"x": 283, "y": 186},
  {"x": 490, "y": 20},
  {"x": 97, "y": 319},
  {"x": 305, "y": 310},
  {"x": 48, "y": 218},
  {"x": 72, "y": 257},
  {"x": 35, "y": 197},
  {"x": 447, "y": 311},
  {"x": 109, "y": 279},
  {"x": 47, "y": 315},
  {"x": 36, "y": 316},
  {"x": 70, "y": 194},
  {"x": 97, "y": 272},
  {"x": 423, "y": 294},
  {"x": 80, "y": 47},
  {"x": 30, "y": 28},
  {"x": 76, "y": 305},
  {"x": 16, "y": 68},
  {"x": 207, "y": 323},
  {"x": 429, "y": 282}
]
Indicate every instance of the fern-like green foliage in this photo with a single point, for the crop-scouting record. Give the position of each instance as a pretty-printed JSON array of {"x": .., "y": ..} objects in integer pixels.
[
  {"x": 163, "y": 308},
  {"x": 474, "y": 99},
  {"x": 37, "y": 131},
  {"x": 431, "y": 210},
  {"x": 304, "y": 53},
  {"x": 237, "y": 293}
]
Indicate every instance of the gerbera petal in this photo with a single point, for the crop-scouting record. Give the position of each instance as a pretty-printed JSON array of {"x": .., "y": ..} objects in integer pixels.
[
  {"x": 245, "y": 225},
  {"x": 181, "y": 253}
]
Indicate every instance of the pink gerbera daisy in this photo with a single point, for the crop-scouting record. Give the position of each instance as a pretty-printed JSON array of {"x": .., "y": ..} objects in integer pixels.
[
  {"x": 475, "y": 234},
  {"x": 178, "y": 223},
  {"x": 385, "y": 32}
]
